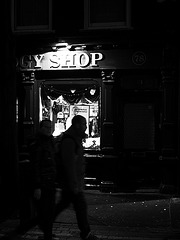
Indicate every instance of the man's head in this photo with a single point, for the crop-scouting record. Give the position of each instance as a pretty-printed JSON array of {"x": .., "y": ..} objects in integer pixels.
[
  {"x": 46, "y": 127},
  {"x": 79, "y": 124}
]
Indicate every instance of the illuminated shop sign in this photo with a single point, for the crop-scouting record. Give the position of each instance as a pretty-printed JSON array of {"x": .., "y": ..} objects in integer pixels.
[
  {"x": 61, "y": 60},
  {"x": 105, "y": 59}
]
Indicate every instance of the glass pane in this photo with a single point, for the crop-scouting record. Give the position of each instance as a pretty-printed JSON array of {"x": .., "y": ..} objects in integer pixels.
[
  {"x": 103, "y": 11},
  {"x": 32, "y": 12},
  {"x": 60, "y": 103}
]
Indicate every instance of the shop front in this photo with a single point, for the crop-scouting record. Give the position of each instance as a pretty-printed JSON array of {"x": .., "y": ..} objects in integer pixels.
[{"x": 124, "y": 95}]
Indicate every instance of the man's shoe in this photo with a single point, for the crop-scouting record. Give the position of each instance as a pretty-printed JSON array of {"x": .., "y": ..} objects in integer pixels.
[
  {"x": 40, "y": 238},
  {"x": 54, "y": 237},
  {"x": 90, "y": 236}
]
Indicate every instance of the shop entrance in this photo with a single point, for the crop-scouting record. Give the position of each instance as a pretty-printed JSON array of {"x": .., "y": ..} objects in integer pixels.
[
  {"x": 61, "y": 100},
  {"x": 138, "y": 116}
]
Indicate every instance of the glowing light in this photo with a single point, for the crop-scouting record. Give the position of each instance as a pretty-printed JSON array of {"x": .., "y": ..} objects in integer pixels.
[
  {"x": 73, "y": 90},
  {"x": 92, "y": 91}
]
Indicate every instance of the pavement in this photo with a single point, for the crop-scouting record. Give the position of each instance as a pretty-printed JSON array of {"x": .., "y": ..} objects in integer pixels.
[{"x": 114, "y": 216}]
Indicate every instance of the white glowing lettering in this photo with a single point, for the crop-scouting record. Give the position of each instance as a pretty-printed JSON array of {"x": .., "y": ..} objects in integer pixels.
[
  {"x": 95, "y": 57},
  {"x": 38, "y": 59},
  {"x": 55, "y": 60},
  {"x": 61, "y": 60},
  {"x": 83, "y": 59},
  {"x": 68, "y": 60}
]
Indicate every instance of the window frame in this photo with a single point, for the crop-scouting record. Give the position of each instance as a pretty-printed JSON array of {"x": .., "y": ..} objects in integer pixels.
[
  {"x": 113, "y": 25},
  {"x": 30, "y": 28}
]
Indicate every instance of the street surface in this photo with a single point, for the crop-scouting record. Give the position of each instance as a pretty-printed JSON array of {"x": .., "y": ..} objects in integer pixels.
[
  {"x": 129, "y": 214},
  {"x": 116, "y": 216}
]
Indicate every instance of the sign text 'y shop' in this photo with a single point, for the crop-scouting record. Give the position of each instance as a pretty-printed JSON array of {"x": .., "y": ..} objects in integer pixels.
[{"x": 61, "y": 60}]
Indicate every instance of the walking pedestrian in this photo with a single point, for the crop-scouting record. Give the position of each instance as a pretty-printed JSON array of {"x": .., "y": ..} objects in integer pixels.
[
  {"x": 43, "y": 176},
  {"x": 72, "y": 162}
]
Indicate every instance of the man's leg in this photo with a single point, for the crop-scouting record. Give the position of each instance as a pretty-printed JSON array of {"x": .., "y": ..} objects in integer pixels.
[
  {"x": 46, "y": 212},
  {"x": 80, "y": 207},
  {"x": 63, "y": 204}
]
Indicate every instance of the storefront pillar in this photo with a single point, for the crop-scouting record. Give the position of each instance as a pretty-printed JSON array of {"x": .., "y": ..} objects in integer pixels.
[
  {"x": 26, "y": 105},
  {"x": 26, "y": 125},
  {"x": 169, "y": 132},
  {"x": 107, "y": 110}
]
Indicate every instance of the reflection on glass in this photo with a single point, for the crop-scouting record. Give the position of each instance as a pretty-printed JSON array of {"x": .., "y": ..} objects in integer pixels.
[{"x": 62, "y": 105}]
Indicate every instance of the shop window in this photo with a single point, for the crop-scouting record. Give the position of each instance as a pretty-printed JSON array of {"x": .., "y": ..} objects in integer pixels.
[
  {"x": 61, "y": 102},
  {"x": 106, "y": 14}
]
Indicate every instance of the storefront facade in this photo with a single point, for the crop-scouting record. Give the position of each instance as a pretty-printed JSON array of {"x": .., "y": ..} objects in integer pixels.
[{"x": 126, "y": 95}]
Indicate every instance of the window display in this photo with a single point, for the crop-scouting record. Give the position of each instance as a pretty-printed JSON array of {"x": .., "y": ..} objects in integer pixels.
[{"x": 61, "y": 102}]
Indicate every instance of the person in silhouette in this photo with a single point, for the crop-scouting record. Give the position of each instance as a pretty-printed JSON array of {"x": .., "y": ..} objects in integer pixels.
[
  {"x": 72, "y": 162},
  {"x": 43, "y": 169}
]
